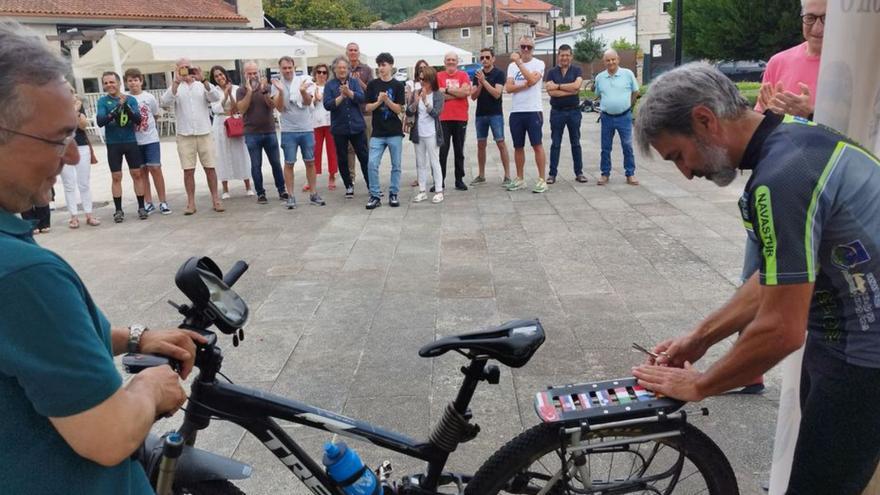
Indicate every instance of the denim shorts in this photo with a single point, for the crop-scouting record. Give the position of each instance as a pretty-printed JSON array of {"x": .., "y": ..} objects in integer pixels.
[
  {"x": 152, "y": 154},
  {"x": 484, "y": 122},
  {"x": 304, "y": 140},
  {"x": 522, "y": 123}
]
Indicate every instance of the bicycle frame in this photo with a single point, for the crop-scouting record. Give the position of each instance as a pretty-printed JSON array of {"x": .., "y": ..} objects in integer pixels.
[{"x": 256, "y": 411}]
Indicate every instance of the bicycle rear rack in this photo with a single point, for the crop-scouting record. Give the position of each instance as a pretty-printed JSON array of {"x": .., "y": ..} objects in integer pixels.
[{"x": 596, "y": 404}]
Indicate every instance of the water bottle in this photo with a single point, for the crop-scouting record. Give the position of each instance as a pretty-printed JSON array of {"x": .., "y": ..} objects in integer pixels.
[{"x": 348, "y": 471}]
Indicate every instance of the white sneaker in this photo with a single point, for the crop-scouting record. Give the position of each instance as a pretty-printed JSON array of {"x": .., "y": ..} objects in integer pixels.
[
  {"x": 250, "y": 192},
  {"x": 421, "y": 196},
  {"x": 224, "y": 195},
  {"x": 437, "y": 198}
]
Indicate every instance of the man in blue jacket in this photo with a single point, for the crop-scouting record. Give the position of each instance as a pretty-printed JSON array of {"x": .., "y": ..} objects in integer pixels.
[
  {"x": 343, "y": 98},
  {"x": 118, "y": 115}
]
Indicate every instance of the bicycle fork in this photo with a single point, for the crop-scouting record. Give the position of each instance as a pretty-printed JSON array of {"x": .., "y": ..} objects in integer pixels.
[{"x": 171, "y": 450}]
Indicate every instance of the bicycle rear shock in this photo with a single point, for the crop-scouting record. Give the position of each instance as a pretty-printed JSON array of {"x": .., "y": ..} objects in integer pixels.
[{"x": 453, "y": 428}]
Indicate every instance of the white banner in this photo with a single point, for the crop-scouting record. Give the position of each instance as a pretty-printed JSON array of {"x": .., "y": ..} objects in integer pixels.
[{"x": 848, "y": 100}]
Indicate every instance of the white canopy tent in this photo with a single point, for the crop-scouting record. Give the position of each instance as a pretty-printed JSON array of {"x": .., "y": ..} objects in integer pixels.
[
  {"x": 407, "y": 47},
  {"x": 156, "y": 50}
]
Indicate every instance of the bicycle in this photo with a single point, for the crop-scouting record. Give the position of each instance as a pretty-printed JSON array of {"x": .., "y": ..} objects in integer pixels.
[{"x": 583, "y": 426}]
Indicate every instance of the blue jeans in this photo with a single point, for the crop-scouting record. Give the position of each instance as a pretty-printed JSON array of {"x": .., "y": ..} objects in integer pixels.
[
  {"x": 485, "y": 122},
  {"x": 305, "y": 141},
  {"x": 623, "y": 125},
  {"x": 256, "y": 143},
  {"x": 377, "y": 147},
  {"x": 559, "y": 119}
]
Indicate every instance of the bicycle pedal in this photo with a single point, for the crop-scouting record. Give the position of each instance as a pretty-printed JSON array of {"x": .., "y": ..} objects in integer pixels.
[{"x": 598, "y": 402}]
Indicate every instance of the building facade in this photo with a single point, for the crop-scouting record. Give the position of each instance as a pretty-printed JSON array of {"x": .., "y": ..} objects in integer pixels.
[
  {"x": 652, "y": 22},
  {"x": 460, "y": 27}
]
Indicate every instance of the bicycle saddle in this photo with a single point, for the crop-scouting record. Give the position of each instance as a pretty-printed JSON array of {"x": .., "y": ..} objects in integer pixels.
[{"x": 512, "y": 343}]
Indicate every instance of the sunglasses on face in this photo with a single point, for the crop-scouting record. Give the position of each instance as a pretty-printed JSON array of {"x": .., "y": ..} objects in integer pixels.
[
  {"x": 526, "y": 47},
  {"x": 320, "y": 72},
  {"x": 485, "y": 57}
]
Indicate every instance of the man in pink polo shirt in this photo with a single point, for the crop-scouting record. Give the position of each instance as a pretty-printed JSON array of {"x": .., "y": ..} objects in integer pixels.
[{"x": 789, "y": 84}]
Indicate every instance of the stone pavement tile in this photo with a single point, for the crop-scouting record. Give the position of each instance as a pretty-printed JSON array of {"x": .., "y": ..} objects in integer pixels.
[
  {"x": 542, "y": 225},
  {"x": 601, "y": 322},
  {"x": 456, "y": 316},
  {"x": 656, "y": 209},
  {"x": 683, "y": 226},
  {"x": 657, "y": 246},
  {"x": 465, "y": 281},
  {"x": 403, "y": 310},
  {"x": 379, "y": 377},
  {"x": 627, "y": 219},
  {"x": 528, "y": 208},
  {"x": 501, "y": 221},
  {"x": 291, "y": 297},
  {"x": 263, "y": 353}
]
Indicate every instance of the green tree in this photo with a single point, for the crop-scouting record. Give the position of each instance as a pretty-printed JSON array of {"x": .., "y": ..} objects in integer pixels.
[
  {"x": 623, "y": 44},
  {"x": 395, "y": 11},
  {"x": 738, "y": 29},
  {"x": 588, "y": 47},
  {"x": 319, "y": 14}
]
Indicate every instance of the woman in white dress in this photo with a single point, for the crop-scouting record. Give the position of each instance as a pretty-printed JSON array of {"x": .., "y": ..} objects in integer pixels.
[{"x": 233, "y": 161}]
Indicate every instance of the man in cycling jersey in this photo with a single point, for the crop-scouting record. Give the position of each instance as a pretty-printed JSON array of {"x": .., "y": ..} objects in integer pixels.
[
  {"x": 68, "y": 425},
  {"x": 812, "y": 203}
]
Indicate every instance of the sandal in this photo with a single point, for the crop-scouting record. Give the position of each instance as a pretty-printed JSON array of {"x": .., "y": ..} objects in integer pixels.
[
  {"x": 93, "y": 221},
  {"x": 218, "y": 207},
  {"x": 189, "y": 211},
  {"x": 73, "y": 223}
]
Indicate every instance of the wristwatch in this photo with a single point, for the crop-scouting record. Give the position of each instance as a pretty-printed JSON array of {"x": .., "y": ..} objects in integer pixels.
[{"x": 134, "y": 337}]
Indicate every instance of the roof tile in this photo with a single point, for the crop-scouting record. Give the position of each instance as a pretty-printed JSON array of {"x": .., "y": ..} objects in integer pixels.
[
  {"x": 176, "y": 10},
  {"x": 457, "y": 17}
]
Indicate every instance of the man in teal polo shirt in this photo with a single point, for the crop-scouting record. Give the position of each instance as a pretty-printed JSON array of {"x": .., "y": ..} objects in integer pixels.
[
  {"x": 68, "y": 423},
  {"x": 618, "y": 89}
]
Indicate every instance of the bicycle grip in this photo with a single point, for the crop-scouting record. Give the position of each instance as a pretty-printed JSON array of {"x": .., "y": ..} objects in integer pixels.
[
  {"x": 235, "y": 273},
  {"x": 135, "y": 363}
]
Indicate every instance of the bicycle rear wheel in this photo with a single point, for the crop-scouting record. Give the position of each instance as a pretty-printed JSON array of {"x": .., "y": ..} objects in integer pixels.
[{"x": 637, "y": 460}]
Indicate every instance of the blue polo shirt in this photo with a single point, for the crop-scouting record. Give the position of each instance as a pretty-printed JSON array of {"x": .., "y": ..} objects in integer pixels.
[
  {"x": 555, "y": 75},
  {"x": 55, "y": 361},
  {"x": 345, "y": 119},
  {"x": 616, "y": 91}
]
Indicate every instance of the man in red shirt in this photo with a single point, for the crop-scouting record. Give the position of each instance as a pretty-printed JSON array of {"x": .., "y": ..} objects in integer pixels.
[{"x": 456, "y": 87}]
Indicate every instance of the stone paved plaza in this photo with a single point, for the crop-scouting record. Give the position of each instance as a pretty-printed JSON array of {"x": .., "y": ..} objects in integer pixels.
[{"x": 342, "y": 298}]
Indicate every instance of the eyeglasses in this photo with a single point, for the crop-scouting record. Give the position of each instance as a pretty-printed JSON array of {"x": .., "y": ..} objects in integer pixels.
[
  {"x": 526, "y": 47},
  {"x": 60, "y": 146},
  {"x": 485, "y": 57},
  {"x": 320, "y": 72},
  {"x": 810, "y": 19}
]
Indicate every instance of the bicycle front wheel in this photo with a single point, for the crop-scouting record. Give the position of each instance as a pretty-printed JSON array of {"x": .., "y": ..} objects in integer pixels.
[{"x": 646, "y": 459}]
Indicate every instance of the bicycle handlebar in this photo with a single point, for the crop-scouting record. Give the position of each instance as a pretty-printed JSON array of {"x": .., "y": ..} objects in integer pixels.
[{"x": 235, "y": 273}]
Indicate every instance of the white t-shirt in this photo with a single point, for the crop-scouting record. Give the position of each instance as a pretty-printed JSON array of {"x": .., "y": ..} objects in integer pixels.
[
  {"x": 426, "y": 122},
  {"x": 146, "y": 132},
  {"x": 320, "y": 115},
  {"x": 528, "y": 100}
]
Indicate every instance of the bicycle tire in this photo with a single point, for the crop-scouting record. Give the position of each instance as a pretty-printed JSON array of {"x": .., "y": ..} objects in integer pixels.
[
  {"x": 214, "y": 487},
  {"x": 533, "y": 444}
]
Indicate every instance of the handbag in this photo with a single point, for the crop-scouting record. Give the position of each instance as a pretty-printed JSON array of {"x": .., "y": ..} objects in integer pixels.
[{"x": 234, "y": 126}]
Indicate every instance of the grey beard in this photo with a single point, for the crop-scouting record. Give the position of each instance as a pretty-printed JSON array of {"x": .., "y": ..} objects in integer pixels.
[{"x": 718, "y": 168}]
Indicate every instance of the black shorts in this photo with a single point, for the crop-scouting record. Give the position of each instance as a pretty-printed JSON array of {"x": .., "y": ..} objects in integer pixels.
[
  {"x": 131, "y": 152},
  {"x": 526, "y": 123},
  {"x": 838, "y": 444}
]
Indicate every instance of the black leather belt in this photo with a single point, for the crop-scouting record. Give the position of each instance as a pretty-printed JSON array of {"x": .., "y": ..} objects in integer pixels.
[{"x": 617, "y": 114}]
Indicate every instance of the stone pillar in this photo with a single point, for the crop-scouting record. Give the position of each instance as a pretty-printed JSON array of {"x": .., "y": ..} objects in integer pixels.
[{"x": 73, "y": 46}]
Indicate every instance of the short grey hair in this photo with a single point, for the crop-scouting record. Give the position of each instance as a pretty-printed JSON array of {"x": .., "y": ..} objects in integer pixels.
[
  {"x": 672, "y": 97},
  {"x": 25, "y": 59},
  {"x": 340, "y": 58}
]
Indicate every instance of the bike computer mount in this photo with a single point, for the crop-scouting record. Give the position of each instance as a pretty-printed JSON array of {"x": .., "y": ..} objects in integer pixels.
[{"x": 213, "y": 302}]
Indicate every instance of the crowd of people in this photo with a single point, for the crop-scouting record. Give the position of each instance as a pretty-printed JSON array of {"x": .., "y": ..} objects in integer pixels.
[{"x": 348, "y": 112}]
